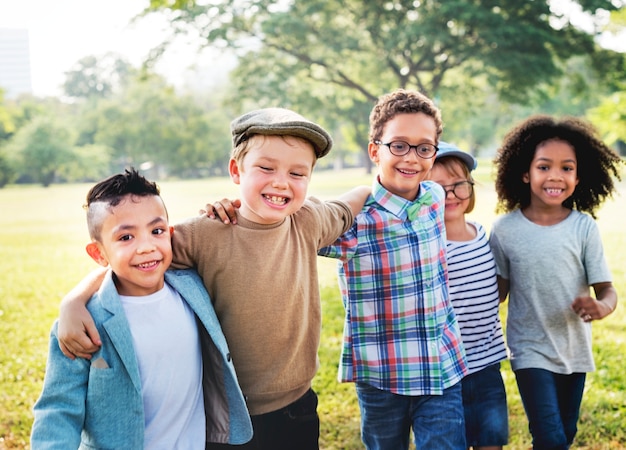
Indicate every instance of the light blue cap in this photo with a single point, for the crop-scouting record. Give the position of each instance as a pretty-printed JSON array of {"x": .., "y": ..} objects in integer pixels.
[{"x": 446, "y": 149}]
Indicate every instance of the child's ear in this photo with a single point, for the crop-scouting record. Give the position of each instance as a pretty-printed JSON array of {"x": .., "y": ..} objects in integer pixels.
[
  {"x": 372, "y": 151},
  {"x": 93, "y": 250},
  {"x": 526, "y": 178},
  {"x": 235, "y": 173},
  {"x": 171, "y": 231}
]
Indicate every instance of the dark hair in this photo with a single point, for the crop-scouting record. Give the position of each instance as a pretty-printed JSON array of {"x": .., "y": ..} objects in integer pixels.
[
  {"x": 597, "y": 163},
  {"x": 401, "y": 101},
  {"x": 111, "y": 191}
]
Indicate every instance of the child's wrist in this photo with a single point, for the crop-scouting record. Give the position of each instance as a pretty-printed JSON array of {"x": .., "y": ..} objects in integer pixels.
[{"x": 609, "y": 306}]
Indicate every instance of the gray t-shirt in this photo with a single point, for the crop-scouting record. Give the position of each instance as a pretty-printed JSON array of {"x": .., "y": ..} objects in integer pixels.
[{"x": 548, "y": 267}]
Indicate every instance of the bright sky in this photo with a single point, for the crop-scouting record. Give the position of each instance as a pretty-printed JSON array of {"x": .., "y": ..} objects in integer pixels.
[{"x": 63, "y": 31}]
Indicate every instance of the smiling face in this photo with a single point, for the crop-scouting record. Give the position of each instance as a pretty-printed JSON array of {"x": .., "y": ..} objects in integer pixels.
[
  {"x": 135, "y": 241},
  {"x": 274, "y": 176},
  {"x": 401, "y": 175},
  {"x": 552, "y": 175},
  {"x": 447, "y": 173}
]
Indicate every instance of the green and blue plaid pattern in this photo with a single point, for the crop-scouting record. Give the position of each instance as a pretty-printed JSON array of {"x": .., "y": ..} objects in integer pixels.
[{"x": 400, "y": 334}]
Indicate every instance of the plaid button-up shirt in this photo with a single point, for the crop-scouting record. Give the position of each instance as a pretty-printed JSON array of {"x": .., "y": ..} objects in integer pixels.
[{"x": 400, "y": 332}]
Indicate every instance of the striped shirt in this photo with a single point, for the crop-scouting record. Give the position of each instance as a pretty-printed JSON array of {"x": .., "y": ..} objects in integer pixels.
[
  {"x": 400, "y": 332},
  {"x": 474, "y": 295}
]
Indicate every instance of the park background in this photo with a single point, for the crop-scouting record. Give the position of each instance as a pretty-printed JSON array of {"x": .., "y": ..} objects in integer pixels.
[{"x": 486, "y": 64}]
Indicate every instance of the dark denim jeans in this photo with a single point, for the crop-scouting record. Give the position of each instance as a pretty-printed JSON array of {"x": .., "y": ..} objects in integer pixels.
[
  {"x": 296, "y": 426},
  {"x": 387, "y": 418},
  {"x": 552, "y": 405},
  {"x": 486, "y": 413}
]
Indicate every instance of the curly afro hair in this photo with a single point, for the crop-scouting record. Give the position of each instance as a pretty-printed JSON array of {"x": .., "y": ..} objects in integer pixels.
[{"x": 597, "y": 163}]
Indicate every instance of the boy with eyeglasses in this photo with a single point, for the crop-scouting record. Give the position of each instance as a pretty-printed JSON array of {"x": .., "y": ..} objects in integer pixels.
[{"x": 402, "y": 344}]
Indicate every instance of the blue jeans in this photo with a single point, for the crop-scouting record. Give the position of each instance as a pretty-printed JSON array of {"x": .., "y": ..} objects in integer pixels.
[
  {"x": 552, "y": 405},
  {"x": 387, "y": 418},
  {"x": 484, "y": 402}
]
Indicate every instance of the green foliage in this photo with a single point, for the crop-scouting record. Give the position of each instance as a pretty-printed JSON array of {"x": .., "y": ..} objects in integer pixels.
[
  {"x": 42, "y": 256},
  {"x": 42, "y": 147},
  {"x": 7, "y": 121},
  {"x": 7, "y": 173},
  {"x": 96, "y": 77},
  {"x": 333, "y": 59},
  {"x": 149, "y": 123},
  {"x": 610, "y": 117}
]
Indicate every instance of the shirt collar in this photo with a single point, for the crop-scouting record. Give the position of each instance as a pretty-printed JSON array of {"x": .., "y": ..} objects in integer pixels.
[{"x": 399, "y": 206}]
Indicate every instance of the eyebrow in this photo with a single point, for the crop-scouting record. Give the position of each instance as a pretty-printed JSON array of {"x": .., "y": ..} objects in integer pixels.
[
  {"x": 543, "y": 158},
  {"x": 407, "y": 139},
  {"x": 267, "y": 159},
  {"x": 125, "y": 227}
]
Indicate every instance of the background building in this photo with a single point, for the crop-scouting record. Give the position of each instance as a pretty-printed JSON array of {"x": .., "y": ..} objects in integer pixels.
[{"x": 14, "y": 62}]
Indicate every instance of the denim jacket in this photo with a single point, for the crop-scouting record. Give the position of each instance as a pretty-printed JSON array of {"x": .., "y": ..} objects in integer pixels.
[{"x": 83, "y": 407}]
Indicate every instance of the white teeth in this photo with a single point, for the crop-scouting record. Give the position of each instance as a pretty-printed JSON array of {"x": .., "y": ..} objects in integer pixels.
[
  {"x": 408, "y": 172},
  {"x": 276, "y": 200},
  {"x": 147, "y": 265}
]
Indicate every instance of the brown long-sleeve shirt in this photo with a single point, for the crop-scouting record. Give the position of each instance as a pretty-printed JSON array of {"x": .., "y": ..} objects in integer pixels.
[{"x": 263, "y": 281}]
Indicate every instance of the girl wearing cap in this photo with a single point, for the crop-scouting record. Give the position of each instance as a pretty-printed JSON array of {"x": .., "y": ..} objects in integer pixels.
[{"x": 474, "y": 296}]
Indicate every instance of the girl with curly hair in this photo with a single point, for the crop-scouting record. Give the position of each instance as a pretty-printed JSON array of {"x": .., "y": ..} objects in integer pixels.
[{"x": 552, "y": 175}]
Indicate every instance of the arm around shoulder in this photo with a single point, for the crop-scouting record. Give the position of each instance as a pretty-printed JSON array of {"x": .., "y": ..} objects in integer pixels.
[
  {"x": 78, "y": 336},
  {"x": 356, "y": 197}
]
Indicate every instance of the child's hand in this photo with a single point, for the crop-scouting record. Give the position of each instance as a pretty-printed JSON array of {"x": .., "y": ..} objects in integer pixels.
[
  {"x": 587, "y": 308},
  {"x": 77, "y": 333},
  {"x": 223, "y": 210}
]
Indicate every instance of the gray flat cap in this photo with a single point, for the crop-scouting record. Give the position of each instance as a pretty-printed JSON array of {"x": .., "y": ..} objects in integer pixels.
[{"x": 280, "y": 122}]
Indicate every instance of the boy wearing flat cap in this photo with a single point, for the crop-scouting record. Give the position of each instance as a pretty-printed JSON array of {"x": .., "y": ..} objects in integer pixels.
[{"x": 262, "y": 274}]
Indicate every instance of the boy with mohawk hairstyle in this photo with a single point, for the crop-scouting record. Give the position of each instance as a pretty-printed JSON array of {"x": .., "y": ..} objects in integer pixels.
[
  {"x": 262, "y": 274},
  {"x": 146, "y": 386}
]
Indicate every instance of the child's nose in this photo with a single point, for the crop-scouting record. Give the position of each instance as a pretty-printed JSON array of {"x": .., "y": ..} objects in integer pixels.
[
  {"x": 280, "y": 182},
  {"x": 555, "y": 175},
  {"x": 145, "y": 245}
]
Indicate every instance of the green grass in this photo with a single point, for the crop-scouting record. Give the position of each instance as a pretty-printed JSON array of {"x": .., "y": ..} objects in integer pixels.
[{"x": 42, "y": 256}]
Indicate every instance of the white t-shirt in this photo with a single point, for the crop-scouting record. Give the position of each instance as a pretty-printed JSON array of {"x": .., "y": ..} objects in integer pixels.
[{"x": 167, "y": 346}]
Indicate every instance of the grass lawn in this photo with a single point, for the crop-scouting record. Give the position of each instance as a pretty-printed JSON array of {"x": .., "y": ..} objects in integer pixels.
[{"x": 42, "y": 256}]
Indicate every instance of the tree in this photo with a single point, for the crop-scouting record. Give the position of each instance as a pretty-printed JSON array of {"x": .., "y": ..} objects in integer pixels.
[
  {"x": 610, "y": 119},
  {"x": 94, "y": 76},
  {"x": 43, "y": 148},
  {"x": 352, "y": 51},
  {"x": 353, "y": 44},
  {"x": 149, "y": 123}
]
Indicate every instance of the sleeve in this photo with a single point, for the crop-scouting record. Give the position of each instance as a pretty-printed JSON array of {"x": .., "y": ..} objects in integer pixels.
[
  {"x": 183, "y": 248},
  {"x": 60, "y": 410},
  {"x": 334, "y": 217},
  {"x": 344, "y": 246},
  {"x": 596, "y": 267},
  {"x": 499, "y": 255}
]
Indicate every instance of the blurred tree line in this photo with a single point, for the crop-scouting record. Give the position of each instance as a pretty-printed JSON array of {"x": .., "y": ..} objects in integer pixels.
[{"x": 486, "y": 63}]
